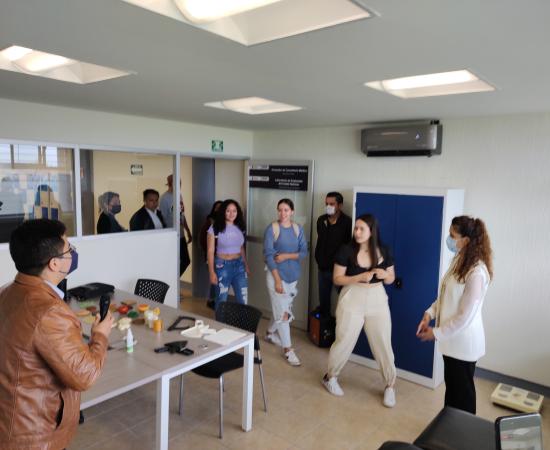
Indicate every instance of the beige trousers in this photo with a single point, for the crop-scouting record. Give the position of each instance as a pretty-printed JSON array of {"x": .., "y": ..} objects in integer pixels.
[{"x": 360, "y": 306}]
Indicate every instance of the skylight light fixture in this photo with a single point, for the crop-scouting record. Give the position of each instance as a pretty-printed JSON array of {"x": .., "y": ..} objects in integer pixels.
[
  {"x": 253, "y": 105},
  {"x": 444, "y": 83},
  {"x": 48, "y": 65},
  {"x": 252, "y": 22},
  {"x": 204, "y": 11},
  {"x": 15, "y": 52},
  {"x": 40, "y": 62}
]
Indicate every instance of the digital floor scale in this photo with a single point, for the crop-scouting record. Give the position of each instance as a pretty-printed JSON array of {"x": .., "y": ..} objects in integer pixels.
[{"x": 516, "y": 398}]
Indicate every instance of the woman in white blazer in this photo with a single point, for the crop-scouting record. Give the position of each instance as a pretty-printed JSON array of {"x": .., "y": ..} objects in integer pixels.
[{"x": 457, "y": 310}]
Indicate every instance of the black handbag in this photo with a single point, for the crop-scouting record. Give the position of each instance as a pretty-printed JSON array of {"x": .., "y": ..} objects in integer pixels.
[{"x": 90, "y": 290}]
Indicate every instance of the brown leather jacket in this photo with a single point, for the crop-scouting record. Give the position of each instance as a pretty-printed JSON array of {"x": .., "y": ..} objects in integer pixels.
[{"x": 44, "y": 365}]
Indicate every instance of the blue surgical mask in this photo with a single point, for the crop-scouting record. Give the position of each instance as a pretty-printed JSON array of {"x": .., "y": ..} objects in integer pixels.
[
  {"x": 451, "y": 244},
  {"x": 74, "y": 263}
]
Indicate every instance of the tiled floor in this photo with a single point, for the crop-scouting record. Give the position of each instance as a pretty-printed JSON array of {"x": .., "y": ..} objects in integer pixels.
[{"x": 302, "y": 415}]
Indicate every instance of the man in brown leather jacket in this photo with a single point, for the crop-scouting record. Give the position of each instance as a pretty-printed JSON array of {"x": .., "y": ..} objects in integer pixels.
[{"x": 44, "y": 362}]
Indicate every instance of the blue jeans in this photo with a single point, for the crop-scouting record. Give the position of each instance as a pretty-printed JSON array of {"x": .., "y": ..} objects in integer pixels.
[{"x": 231, "y": 273}]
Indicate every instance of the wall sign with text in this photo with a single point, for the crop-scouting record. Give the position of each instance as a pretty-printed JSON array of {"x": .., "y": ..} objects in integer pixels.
[
  {"x": 292, "y": 178},
  {"x": 136, "y": 169}
]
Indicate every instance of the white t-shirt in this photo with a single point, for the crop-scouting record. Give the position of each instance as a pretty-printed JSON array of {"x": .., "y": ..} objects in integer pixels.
[{"x": 155, "y": 219}]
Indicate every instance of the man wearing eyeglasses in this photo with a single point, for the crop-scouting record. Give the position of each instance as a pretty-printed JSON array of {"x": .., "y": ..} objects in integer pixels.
[{"x": 44, "y": 362}]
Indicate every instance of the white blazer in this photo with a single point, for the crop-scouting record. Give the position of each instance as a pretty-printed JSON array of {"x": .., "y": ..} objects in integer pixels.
[{"x": 457, "y": 313}]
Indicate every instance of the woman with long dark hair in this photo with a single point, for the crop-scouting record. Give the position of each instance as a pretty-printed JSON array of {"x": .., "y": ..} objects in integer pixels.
[
  {"x": 457, "y": 310},
  {"x": 284, "y": 246},
  {"x": 226, "y": 254},
  {"x": 362, "y": 267}
]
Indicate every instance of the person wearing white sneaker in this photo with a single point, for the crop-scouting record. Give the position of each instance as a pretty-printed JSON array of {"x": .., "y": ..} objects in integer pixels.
[
  {"x": 273, "y": 338},
  {"x": 362, "y": 267},
  {"x": 284, "y": 246},
  {"x": 389, "y": 397},
  {"x": 332, "y": 385}
]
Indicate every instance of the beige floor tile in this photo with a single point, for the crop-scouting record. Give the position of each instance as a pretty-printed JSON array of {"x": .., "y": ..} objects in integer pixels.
[
  {"x": 325, "y": 437},
  {"x": 258, "y": 438},
  {"x": 96, "y": 430},
  {"x": 196, "y": 441}
]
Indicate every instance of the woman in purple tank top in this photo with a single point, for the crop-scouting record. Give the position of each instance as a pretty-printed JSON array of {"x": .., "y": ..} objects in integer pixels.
[{"x": 226, "y": 255}]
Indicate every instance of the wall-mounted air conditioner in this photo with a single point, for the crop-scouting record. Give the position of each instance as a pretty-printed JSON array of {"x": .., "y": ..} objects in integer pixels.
[{"x": 402, "y": 140}]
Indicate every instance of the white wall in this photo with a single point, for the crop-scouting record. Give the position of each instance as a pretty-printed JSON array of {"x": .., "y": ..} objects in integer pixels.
[
  {"x": 229, "y": 180},
  {"x": 96, "y": 129},
  {"x": 120, "y": 261},
  {"x": 502, "y": 163},
  {"x": 114, "y": 257}
]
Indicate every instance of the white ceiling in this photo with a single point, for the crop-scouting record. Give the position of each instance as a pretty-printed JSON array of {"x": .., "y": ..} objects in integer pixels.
[{"x": 179, "y": 67}]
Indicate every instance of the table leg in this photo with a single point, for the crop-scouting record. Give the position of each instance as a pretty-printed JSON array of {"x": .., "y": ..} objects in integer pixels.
[
  {"x": 248, "y": 385},
  {"x": 163, "y": 412}
]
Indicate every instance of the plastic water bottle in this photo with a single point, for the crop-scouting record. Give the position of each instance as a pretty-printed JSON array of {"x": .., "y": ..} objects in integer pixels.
[{"x": 129, "y": 341}]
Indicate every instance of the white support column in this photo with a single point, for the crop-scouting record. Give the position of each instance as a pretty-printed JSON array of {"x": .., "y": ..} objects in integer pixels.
[
  {"x": 163, "y": 412},
  {"x": 248, "y": 385}
]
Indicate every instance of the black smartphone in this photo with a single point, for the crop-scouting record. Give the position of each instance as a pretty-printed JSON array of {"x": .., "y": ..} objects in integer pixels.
[
  {"x": 104, "y": 303},
  {"x": 519, "y": 432}
]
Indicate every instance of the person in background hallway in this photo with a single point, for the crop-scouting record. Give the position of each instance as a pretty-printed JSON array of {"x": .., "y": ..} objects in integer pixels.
[
  {"x": 333, "y": 230},
  {"x": 167, "y": 208},
  {"x": 148, "y": 217},
  {"x": 185, "y": 260},
  {"x": 203, "y": 242},
  {"x": 457, "y": 310},
  {"x": 227, "y": 264},
  {"x": 44, "y": 362},
  {"x": 109, "y": 205},
  {"x": 284, "y": 246},
  {"x": 363, "y": 267}
]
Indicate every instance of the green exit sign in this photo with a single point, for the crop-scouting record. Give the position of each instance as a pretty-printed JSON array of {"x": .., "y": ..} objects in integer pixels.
[{"x": 217, "y": 146}]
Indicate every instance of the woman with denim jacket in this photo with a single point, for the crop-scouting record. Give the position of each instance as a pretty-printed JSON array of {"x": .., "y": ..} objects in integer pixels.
[
  {"x": 284, "y": 246},
  {"x": 226, "y": 253}
]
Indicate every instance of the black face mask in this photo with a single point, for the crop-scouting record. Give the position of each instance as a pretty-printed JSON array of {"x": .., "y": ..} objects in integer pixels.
[{"x": 115, "y": 209}]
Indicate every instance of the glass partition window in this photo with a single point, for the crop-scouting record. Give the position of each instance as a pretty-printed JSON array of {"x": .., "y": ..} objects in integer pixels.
[
  {"x": 112, "y": 187},
  {"x": 36, "y": 181}
]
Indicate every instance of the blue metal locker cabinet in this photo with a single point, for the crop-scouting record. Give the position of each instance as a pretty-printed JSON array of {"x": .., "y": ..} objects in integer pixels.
[{"x": 414, "y": 226}]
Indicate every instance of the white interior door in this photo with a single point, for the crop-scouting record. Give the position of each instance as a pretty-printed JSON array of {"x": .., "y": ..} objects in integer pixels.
[{"x": 262, "y": 210}]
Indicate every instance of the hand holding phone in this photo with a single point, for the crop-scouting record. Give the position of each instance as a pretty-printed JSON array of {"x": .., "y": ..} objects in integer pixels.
[{"x": 104, "y": 303}]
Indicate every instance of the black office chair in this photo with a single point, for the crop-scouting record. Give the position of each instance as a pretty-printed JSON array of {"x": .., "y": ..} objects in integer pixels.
[
  {"x": 241, "y": 316},
  {"x": 152, "y": 289}
]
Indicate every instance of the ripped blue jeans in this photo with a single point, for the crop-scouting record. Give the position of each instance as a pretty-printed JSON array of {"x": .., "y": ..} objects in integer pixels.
[{"x": 231, "y": 273}]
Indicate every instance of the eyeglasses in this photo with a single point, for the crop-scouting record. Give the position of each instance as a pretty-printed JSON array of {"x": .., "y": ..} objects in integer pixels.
[{"x": 71, "y": 250}]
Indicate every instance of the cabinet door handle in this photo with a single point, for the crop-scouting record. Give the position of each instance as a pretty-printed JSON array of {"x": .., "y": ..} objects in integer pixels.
[{"x": 398, "y": 283}]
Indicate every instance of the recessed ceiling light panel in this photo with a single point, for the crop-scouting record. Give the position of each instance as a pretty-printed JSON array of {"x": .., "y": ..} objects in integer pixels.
[
  {"x": 204, "y": 11},
  {"x": 433, "y": 84},
  {"x": 253, "y": 105},
  {"x": 57, "y": 67},
  {"x": 252, "y": 22}
]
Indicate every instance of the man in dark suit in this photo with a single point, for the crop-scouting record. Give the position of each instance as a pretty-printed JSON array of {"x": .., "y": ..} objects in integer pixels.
[{"x": 148, "y": 217}]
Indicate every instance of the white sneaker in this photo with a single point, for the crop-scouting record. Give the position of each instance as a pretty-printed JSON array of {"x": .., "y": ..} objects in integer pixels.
[
  {"x": 292, "y": 358},
  {"x": 389, "y": 397},
  {"x": 273, "y": 338},
  {"x": 331, "y": 384}
]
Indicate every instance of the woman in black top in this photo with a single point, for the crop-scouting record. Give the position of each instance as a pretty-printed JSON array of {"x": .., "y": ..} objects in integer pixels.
[
  {"x": 109, "y": 205},
  {"x": 362, "y": 268}
]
